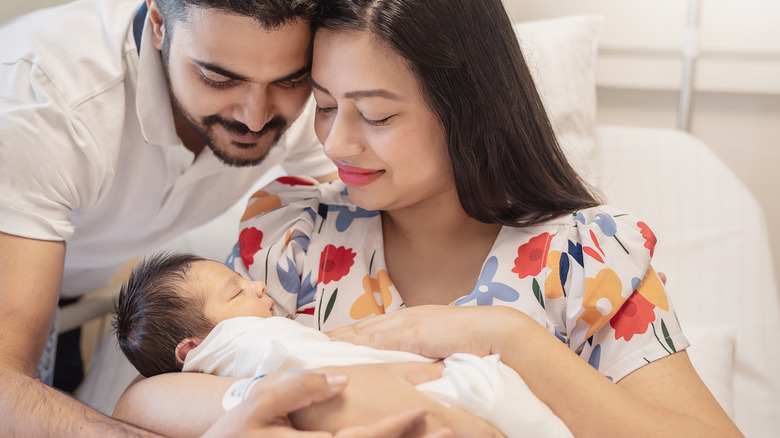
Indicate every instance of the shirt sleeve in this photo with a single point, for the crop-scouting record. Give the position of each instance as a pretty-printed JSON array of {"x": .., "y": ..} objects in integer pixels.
[
  {"x": 274, "y": 236},
  {"x": 46, "y": 156},
  {"x": 617, "y": 315},
  {"x": 305, "y": 156}
]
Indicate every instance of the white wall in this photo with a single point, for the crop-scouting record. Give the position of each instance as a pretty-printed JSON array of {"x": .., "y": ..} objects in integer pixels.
[{"x": 736, "y": 86}]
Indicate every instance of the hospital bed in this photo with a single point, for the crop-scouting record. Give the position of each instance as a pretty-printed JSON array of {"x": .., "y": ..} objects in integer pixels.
[{"x": 712, "y": 235}]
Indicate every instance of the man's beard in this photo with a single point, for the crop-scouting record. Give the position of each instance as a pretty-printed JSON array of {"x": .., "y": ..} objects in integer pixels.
[{"x": 275, "y": 127}]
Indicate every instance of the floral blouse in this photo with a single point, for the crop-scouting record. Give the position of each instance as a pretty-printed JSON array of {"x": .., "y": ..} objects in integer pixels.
[{"x": 586, "y": 277}]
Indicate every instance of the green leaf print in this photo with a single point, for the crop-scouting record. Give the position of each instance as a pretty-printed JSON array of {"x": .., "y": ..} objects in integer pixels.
[
  {"x": 331, "y": 302},
  {"x": 538, "y": 293},
  {"x": 667, "y": 338}
]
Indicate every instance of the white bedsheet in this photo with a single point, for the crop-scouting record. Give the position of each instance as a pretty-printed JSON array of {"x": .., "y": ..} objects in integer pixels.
[{"x": 714, "y": 248}]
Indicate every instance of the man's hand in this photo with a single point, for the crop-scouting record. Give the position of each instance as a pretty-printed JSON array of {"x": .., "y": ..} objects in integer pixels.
[{"x": 265, "y": 412}]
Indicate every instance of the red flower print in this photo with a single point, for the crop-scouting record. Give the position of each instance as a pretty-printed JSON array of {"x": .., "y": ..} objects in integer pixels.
[
  {"x": 592, "y": 252},
  {"x": 249, "y": 244},
  {"x": 633, "y": 318},
  {"x": 650, "y": 239},
  {"x": 532, "y": 256},
  {"x": 335, "y": 263},
  {"x": 294, "y": 181}
]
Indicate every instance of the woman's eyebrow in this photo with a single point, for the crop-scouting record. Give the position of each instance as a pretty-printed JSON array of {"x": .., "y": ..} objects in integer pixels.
[{"x": 359, "y": 94}]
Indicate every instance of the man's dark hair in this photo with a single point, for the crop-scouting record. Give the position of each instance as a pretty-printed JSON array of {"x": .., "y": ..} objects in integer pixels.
[
  {"x": 507, "y": 163},
  {"x": 270, "y": 14},
  {"x": 155, "y": 312}
]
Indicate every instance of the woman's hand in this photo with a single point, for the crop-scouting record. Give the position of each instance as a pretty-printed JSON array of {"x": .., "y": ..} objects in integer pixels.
[{"x": 435, "y": 331}]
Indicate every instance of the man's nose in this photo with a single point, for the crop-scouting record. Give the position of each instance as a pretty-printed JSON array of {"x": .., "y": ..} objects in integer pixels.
[{"x": 254, "y": 110}]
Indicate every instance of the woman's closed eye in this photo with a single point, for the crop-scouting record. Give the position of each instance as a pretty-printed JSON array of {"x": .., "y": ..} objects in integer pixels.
[
  {"x": 237, "y": 294},
  {"x": 325, "y": 110},
  {"x": 378, "y": 122}
]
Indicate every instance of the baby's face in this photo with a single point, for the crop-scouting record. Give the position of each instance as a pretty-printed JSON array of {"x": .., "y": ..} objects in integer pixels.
[{"x": 227, "y": 294}]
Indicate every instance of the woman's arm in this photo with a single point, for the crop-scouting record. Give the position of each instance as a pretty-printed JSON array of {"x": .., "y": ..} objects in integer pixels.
[
  {"x": 663, "y": 398},
  {"x": 186, "y": 404}
]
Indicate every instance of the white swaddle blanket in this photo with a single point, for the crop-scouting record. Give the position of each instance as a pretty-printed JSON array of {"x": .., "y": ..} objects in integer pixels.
[{"x": 249, "y": 346}]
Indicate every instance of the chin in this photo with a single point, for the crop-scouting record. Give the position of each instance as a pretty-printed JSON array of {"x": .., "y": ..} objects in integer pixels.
[{"x": 242, "y": 157}]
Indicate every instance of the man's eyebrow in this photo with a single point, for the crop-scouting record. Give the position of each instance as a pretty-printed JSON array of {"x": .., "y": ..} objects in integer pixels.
[
  {"x": 358, "y": 94},
  {"x": 296, "y": 74},
  {"x": 221, "y": 71},
  {"x": 235, "y": 76}
]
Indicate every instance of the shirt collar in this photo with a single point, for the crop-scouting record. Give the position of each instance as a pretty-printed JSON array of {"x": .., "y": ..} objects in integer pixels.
[{"x": 152, "y": 95}]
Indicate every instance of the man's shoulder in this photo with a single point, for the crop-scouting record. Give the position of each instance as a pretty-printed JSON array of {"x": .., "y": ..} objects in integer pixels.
[{"x": 79, "y": 47}]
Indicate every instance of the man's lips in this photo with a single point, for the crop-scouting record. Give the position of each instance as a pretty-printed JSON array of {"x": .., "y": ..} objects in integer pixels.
[
  {"x": 250, "y": 137},
  {"x": 357, "y": 176}
]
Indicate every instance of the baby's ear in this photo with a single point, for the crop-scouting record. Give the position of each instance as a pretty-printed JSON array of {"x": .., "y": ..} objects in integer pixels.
[{"x": 185, "y": 346}]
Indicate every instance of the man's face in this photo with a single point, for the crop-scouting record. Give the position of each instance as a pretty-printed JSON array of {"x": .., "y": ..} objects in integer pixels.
[{"x": 237, "y": 85}]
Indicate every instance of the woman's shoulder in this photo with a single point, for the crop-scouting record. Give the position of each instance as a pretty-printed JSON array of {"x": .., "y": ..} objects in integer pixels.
[{"x": 295, "y": 191}]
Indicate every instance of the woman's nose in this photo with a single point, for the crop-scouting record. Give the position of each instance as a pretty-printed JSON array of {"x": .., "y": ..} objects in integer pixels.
[{"x": 343, "y": 139}]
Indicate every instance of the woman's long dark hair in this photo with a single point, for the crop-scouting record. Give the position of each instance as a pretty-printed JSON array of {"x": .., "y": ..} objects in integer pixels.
[{"x": 507, "y": 164}]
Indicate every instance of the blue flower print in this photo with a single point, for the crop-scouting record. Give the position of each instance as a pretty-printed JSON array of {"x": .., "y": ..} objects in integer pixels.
[
  {"x": 307, "y": 292},
  {"x": 289, "y": 278},
  {"x": 606, "y": 223},
  {"x": 233, "y": 256},
  {"x": 486, "y": 289},
  {"x": 346, "y": 215},
  {"x": 595, "y": 357}
]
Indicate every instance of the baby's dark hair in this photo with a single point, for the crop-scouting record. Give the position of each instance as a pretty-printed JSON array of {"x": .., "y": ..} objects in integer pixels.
[{"x": 155, "y": 312}]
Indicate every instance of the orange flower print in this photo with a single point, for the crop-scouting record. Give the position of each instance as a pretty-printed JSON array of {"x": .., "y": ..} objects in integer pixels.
[
  {"x": 260, "y": 202},
  {"x": 633, "y": 318},
  {"x": 650, "y": 239},
  {"x": 653, "y": 290},
  {"x": 249, "y": 244},
  {"x": 366, "y": 304},
  {"x": 553, "y": 287},
  {"x": 532, "y": 256},
  {"x": 601, "y": 300},
  {"x": 335, "y": 263}
]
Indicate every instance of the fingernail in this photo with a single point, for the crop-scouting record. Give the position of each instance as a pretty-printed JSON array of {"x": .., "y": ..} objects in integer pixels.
[{"x": 335, "y": 379}]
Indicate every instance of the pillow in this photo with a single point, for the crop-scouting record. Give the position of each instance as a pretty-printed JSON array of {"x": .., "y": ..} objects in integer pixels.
[
  {"x": 561, "y": 54},
  {"x": 712, "y": 355}
]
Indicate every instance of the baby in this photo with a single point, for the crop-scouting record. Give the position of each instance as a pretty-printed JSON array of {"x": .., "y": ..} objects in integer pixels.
[{"x": 179, "y": 312}]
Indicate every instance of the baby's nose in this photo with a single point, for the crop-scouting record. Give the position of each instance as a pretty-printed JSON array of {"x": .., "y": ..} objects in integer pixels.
[{"x": 260, "y": 289}]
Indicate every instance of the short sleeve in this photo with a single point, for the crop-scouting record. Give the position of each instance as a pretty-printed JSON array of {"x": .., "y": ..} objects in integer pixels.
[
  {"x": 47, "y": 168},
  {"x": 605, "y": 298},
  {"x": 274, "y": 236}
]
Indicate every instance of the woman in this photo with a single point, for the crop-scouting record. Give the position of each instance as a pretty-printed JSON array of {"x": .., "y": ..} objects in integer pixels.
[{"x": 432, "y": 118}]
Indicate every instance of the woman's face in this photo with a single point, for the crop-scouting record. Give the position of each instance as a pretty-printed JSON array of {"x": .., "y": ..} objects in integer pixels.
[{"x": 371, "y": 118}]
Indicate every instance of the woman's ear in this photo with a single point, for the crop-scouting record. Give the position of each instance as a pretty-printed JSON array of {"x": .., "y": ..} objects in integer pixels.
[
  {"x": 185, "y": 346},
  {"x": 156, "y": 24}
]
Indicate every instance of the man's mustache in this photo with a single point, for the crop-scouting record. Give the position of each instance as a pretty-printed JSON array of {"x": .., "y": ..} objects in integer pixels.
[{"x": 277, "y": 123}]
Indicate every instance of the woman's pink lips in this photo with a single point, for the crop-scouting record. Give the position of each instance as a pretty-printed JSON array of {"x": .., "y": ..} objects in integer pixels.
[{"x": 357, "y": 176}]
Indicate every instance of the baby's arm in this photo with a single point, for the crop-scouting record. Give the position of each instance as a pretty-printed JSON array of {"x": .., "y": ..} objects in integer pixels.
[{"x": 377, "y": 390}]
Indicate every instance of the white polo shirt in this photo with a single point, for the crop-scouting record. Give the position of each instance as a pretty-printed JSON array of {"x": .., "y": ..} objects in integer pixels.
[{"x": 88, "y": 149}]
